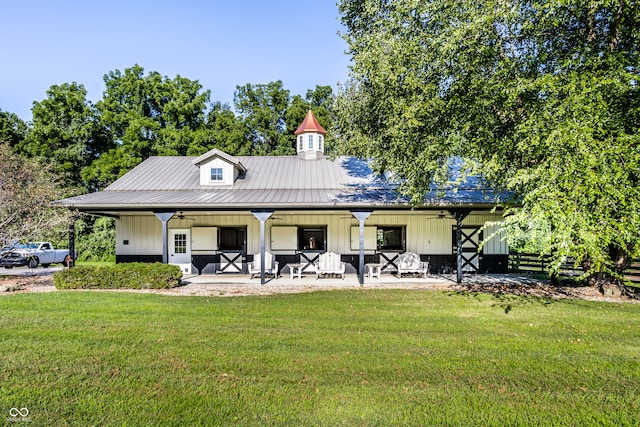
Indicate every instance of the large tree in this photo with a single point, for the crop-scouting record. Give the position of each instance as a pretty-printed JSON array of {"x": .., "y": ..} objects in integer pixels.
[
  {"x": 541, "y": 96},
  {"x": 263, "y": 109},
  {"x": 27, "y": 190},
  {"x": 65, "y": 133},
  {"x": 222, "y": 130},
  {"x": 146, "y": 115},
  {"x": 13, "y": 130}
]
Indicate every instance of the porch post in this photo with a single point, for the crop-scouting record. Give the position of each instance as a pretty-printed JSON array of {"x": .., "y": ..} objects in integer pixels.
[
  {"x": 459, "y": 215},
  {"x": 361, "y": 216},
  {"x": 164, "y": 217},
  {"x": 72, "y": 240},
  {"x": 262, "y": 216}
]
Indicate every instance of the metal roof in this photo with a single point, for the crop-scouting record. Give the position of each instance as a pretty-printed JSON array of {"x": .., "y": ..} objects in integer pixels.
[{"x": 285, "y": 182}]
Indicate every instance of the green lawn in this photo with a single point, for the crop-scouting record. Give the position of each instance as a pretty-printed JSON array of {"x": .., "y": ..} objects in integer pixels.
[{"x": 353, "y": 358}]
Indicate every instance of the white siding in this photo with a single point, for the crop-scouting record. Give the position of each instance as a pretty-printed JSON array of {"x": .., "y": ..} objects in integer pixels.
[
  {"x": 228, "y": 172},
  {"x": 426, "y": 233},
  {"x": 143, "y": 233}
]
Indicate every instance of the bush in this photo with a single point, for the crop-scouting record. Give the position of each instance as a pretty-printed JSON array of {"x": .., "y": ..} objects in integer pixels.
[{"x": 120, "y": 276}]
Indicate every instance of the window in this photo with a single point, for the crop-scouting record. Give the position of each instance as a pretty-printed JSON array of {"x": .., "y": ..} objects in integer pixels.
[
  {"x": 391, "y": 238},
  {"x": 300, "y": 143},
  {"x": 320, "y": 143},
  {"x": 232, "y": 238},
  {"x": 310, "y": 142},
  {"x": 180, "y": 243},
  {"x": 312, "y": 238},
  {"x": 216, "y": 174}
]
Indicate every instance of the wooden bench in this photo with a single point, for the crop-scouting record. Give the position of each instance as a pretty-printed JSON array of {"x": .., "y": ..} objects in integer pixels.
[
  {"x": 409, "y": 262},
  {"x": 330, "y": 263}
]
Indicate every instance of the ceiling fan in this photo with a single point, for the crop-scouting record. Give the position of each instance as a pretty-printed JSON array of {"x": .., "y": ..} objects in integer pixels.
[{"x": 181, "y": 217}]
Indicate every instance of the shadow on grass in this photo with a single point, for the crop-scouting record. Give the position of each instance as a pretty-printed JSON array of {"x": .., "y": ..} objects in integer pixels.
[{"x": 511, "y": 291}]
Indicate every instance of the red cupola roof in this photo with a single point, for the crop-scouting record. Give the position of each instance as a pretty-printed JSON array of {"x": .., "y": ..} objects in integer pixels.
[{"x": 310, "y": 124}]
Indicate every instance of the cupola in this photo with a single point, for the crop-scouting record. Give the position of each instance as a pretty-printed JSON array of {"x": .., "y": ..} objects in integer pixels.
[{"x": 310, "y": 138}]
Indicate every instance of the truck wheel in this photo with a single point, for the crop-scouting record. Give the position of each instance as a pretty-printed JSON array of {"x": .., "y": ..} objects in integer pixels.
[
  {"x": 33, "y": 262},
  {"x": 8, "y": 266}
]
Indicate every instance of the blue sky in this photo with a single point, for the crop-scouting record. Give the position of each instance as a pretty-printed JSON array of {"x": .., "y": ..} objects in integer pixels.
[{"x": 220, "y": 43}]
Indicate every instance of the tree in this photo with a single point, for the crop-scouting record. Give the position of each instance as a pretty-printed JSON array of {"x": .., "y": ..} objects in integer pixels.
[
  {"x": 147, "y": 116},
  {"x": 13, "y": 130},
  {"x": 542, "y": 97},
  {"x": 222, "y": 130},
  {"x": 65, "y": 133},
  {"x": 263, "y": 109},
  {"x": 27, "y": 190}
]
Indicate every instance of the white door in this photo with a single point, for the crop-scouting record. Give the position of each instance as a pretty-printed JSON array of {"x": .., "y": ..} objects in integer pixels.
[{"x": 180, "y": 248}]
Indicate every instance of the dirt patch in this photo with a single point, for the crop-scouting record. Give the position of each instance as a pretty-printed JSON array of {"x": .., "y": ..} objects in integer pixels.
[{"x": 36, "y": 283}]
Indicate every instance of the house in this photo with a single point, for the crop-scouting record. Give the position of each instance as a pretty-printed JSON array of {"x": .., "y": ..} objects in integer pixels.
[{"x": 210, "y": 214}]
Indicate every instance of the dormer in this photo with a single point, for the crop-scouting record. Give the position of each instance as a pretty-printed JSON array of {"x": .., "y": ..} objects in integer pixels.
[
  {"x": 310, "y": 138},
  {"x": 217, "y": 168}
]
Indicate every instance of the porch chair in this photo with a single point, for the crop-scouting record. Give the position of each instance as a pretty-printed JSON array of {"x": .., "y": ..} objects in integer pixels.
[
  {"x": 329, "y": 263},
  {"x": 270, "y": 265},
  {"x": 409, "y": 262}
]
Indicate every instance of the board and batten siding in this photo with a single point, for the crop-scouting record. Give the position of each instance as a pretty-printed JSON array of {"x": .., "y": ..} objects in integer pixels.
[
  {"x": 425, "y": 232},
  {"x": 138, "y": 235}
]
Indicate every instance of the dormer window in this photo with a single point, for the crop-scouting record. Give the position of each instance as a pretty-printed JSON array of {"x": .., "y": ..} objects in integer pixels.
[
  {"x": 218, "y": 168},
  {"x": 216, "y": 174}
]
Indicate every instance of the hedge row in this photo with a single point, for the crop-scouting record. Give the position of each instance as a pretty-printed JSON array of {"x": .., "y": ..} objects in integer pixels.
[{"x": 119, "y": 276}]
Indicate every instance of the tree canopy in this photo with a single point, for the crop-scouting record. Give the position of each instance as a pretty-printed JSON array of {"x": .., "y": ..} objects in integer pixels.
[
  {"x": 541, "y": 96},
  {"x": 85, "y": 147},
  {"x": 26, "y": 192}
]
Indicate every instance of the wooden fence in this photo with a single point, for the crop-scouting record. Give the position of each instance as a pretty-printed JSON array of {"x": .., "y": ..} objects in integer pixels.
[{"x": 534, "y": 263}]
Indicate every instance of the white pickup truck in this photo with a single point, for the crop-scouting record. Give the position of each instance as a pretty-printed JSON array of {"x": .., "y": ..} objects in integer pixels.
[{"x": 32, "y": 254}]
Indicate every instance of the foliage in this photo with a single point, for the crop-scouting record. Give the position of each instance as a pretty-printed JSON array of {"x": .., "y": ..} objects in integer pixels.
[
  {"x": 271, "y": 116},
  {"x": 146, "y": 116},
  {"x": 27, "y": 190},
  {"x": 119, "y": 276},
  {"x": 542, "y": 96},
  {"x": 95, "y": 238},
  {"x": 263, "y": 109},
  {"x": 222, "y": 130},
  {"x": 12, "y": 129},
  {"x": 397, "y": 357},
  {"x": 65, "y": 133}
]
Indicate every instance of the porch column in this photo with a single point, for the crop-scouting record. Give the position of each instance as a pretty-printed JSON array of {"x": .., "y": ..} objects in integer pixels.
[
  {"x": 361, "y": 216},
  {"x": 164, "y": 217},
  {"x": 459, "y": 215},
  {"x": 72, "y": 240},
  {"x": 262, "y": 216}
]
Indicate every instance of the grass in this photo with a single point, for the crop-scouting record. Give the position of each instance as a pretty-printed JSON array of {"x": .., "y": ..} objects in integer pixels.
[{"x": 356, "y": 358}]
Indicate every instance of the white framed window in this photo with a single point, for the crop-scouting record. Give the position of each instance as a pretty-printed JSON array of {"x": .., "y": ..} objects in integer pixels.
[
  {"x": 300, "y": 143},
  {"x": 320, "y": 143},
  {"x": 216, "y": 174},
  {"x": 310, "y": 142}
]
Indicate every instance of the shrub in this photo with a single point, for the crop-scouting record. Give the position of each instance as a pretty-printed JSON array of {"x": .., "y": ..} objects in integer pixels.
[{"x": 119, "y": 276}]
